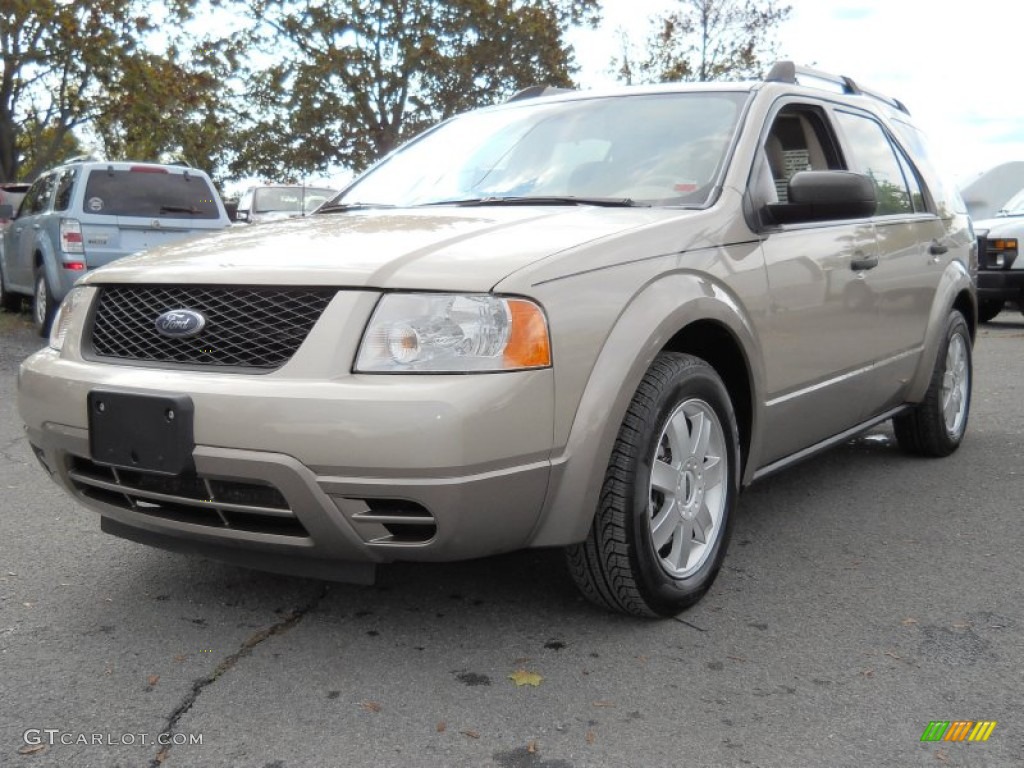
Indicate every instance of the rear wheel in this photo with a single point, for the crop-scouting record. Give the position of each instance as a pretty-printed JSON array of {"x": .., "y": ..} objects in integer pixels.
[
  {"x": 664, "y": 518},
  {"x": 43, "y": 305},
  {"x": 936, "y": 426},
  {"x": 9, "y": 301},
  {"x": 988, "y": 309}
]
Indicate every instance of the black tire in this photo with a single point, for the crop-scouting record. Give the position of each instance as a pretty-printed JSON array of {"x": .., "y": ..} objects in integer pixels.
[
  {"x": 9, "y": 301},
  {"x": 989, "y": 308},
  {"x": 43, "y": 305},
  {"x": 618, "y": 566},
  {"x": 926, "y": 430}
]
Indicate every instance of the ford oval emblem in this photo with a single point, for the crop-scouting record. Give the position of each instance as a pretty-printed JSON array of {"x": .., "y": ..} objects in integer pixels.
[{"x": 180, "y": 323}]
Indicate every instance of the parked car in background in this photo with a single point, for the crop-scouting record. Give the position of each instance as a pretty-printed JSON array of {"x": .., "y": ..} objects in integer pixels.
[
  {"x": 581, "y": 320},
  {"x": 1000, "y": 271},
  {"x": 280, "y": 201},
  {"x": 85, "y": 214},
  {"x": 11, "y": 194}
]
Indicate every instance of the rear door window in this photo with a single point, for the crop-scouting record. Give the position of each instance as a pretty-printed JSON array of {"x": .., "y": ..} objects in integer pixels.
[
  {"x": 874, "y": 156},
  {"x": 153, "y": 194},
  {"x": 38, "y": 197}
]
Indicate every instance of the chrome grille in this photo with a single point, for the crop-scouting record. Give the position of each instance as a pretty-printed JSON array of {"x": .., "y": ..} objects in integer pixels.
[
  {"x": 246, "y": 327},
  {"x": 236, "y": 505}
]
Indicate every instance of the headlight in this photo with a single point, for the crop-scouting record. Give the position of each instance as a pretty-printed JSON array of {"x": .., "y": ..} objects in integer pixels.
[
  {"x": 453, "y": 333},
  {"x": 62, "y": 320}
]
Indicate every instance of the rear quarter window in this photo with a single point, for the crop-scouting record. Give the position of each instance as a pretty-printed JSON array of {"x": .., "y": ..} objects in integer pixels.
[{"x": 150, "y": 194}]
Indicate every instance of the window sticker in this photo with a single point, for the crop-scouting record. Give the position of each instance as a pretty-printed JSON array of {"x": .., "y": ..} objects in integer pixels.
[{"x": 95, "y": 204}]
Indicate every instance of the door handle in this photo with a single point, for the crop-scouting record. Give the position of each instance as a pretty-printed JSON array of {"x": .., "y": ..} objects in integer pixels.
[
  {"x": 862, "y": 263},
  {"x": 937, "y": 248}
]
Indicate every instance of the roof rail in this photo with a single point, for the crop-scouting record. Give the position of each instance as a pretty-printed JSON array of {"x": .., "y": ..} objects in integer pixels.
[
  {"x": 533, "y": 91},
  {"x": 788, "y": 72},
  {"x": 89, "y": 158}
]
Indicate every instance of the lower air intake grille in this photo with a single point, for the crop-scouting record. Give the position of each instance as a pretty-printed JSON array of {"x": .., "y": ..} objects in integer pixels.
[
  {"x": 243, "y": 506},
  {"x": 250, "y": 327}
]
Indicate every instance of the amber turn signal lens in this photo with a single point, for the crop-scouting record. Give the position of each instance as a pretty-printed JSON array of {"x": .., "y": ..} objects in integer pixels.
[{"x": 528, "y": 344}]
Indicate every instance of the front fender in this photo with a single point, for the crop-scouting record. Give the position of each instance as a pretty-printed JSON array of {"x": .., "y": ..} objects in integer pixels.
[
  {"x": 955, "y": 282},
  {"x": 645, "y": 327}
]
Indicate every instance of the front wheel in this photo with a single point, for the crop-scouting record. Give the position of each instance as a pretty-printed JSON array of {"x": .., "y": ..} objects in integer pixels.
[
  {"x": 663, "y": 522},
  {"x": 936, "y": 426},
  {"x": 988, "y": 309}
]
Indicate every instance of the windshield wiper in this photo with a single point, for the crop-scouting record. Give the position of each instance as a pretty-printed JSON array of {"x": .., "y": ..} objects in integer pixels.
[
  {"x": 343, "y": 207},
  {"x": 178, "y": 209},
  {"x": 604, "y": 202}
]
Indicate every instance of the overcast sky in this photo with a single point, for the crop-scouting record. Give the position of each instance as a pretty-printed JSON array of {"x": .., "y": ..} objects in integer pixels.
[{"x": 954, "y": 66}]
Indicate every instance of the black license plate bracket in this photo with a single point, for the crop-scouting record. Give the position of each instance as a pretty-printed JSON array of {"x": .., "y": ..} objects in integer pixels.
[{"x": 143, "y": 432}]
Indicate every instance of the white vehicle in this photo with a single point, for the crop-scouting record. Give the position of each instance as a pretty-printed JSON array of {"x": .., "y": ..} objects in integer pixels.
[{"x": 268, "y": 203}]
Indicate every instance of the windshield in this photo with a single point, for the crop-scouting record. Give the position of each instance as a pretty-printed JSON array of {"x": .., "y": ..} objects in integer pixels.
[
  {"x": 1015, "y": 206},
  {"x": 290, "y": 199},
  {"x": 652, "y": 149}
]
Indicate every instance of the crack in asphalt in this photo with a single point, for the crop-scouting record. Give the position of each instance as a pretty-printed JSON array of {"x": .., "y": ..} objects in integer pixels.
[
  {"x": 227, "y": 664},
  {"x": 9, "y": 456},
  {"x": 689, "y": 624}
]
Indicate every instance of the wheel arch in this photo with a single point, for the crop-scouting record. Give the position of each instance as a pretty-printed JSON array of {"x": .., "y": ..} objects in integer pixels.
[
  {"x": 956, "y": 292},
  {"x": 682, "y": 312}
]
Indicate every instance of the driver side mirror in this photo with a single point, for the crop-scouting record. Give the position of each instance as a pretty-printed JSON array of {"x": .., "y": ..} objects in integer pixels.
[{"x": 825, "y": 196}]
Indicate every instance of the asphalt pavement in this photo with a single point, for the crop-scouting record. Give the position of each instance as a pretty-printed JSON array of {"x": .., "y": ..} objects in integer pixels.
[{"x": 865, "y": 595}]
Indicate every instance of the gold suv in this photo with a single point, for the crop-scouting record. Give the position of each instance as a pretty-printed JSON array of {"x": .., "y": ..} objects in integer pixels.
[{"x": 580, "y": 320}]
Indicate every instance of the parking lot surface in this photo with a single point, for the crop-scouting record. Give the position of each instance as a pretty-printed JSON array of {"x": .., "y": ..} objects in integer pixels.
[{"x": 865, "y": 595}]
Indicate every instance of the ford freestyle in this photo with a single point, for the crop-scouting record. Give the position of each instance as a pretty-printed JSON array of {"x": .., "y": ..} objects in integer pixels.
[{"x": 581, "y": 320}]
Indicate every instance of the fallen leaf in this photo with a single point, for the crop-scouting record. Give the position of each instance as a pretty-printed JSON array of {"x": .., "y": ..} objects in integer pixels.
[
  {"x": 31, "y": 749},
  {"x": 908, "y": 622},
  {"x": 370, "y": 706},
  {"x": 523, "y": 677},
  {"x": 152, "y": 680},
  {"x": 442, "y": 727},
  {"x": 641, "y": 658},
  {"x": 893, "y": 655},
  {"x": 736, "y": 658},
  {"x": 868, "y": 672},
  {"x": 162, "y": 755},
  {"x": 961, "y": 625},
  {"x": 603, "y": 704},
  {"x": 591, "y": 736},
  {"x": 471, "y": 734},
  {"x": 180, "y": 657},
  {"x": 941, "y": 755},
  {"x": 531, "y": 747}
]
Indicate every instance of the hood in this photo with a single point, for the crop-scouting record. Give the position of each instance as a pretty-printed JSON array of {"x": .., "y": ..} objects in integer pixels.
[
  {"x": 458, "y": 249},
  {"x": 1000, "y": 226}
]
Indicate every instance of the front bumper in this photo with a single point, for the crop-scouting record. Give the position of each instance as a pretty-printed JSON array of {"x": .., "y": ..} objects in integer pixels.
[
  {"x": 311, "y": 469},
  {"x": 1002, "y": 284}
]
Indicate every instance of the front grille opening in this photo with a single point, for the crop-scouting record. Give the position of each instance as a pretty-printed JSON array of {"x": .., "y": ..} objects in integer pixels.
[
  {"x": 396, "y": 508},
  {"x": 254, "y": 328},
  {"x": 395, "y": 521},
  {"x": 248, "y": 505},
  {"x": 410, "y": 534}
]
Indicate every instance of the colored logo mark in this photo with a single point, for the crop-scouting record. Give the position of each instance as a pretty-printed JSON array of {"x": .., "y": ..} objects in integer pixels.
[{"x": 958, "y": 730}]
